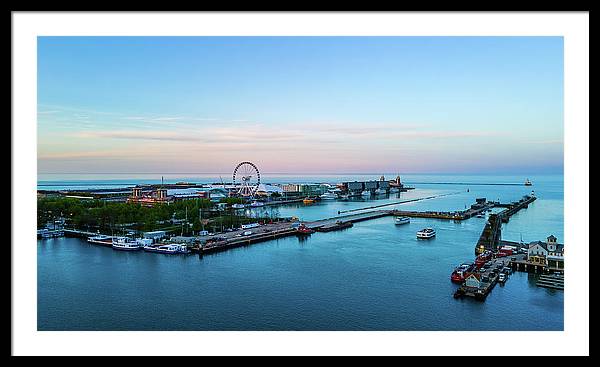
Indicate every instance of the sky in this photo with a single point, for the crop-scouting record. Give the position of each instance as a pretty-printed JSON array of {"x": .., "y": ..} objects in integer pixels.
[{"x": 468, "y": 105}]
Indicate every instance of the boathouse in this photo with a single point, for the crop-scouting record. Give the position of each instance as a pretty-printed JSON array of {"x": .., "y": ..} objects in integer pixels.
[{"x": 473, "y": 280}]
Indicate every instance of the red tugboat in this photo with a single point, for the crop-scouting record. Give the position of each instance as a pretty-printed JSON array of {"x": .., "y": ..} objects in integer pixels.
[
  {"x": 462, "y": 272},
  {"x": 483, "y": 258},
  {"x": 302, "y": 229}
]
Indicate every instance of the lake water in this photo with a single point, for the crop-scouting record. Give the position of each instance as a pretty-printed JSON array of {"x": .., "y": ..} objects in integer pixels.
[{"x": 373, "y": 276}]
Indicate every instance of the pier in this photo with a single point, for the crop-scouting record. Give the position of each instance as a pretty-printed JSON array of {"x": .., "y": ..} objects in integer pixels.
[
  {"x": 78, "y": 233},
  {"x": 352, "y": 218},
  {"x": 490, "y": 236},
  {"x": 397, "y": 203},
  {"x": 554, "y": 281},
  {"x": 487, "y": 279},
  {"x": 242, "y": 237}
]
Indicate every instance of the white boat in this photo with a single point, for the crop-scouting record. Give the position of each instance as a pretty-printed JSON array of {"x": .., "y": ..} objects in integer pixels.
[
  {"x": 328, "y": 196},
  {"x": 426, "y": 233},
  {"x": 101, "y": 240},
  {"x": 402, "y": 220},
  {"x": 238, "y": 206},
  {"x": 256, "y": 203},
  {"x": 345, "y": 197},
  {"x": 366, "y": 193},
  {"x": 394, "y": 190},
  {"x": 380, "y": 192},
  {"x": 172, "y": 248},
  {"x": 126, "y": 244}
]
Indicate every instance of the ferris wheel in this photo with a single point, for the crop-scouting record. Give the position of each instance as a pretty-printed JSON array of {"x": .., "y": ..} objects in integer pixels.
[{"x": 248, "y": 178}]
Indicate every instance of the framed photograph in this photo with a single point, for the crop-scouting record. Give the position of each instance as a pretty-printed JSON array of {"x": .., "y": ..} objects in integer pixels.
[{"x": 274, "y": 182}]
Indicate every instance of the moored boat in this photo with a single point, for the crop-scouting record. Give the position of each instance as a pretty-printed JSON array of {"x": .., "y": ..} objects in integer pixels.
[
  {"x": 328, "y": 196},
  {"x": 101, "y": 240},
  {"x": 302, "y": 229},
  {"x": 426, "y": 233},
  {"x": 238, "y": 206},
  {"x": 366, "y": 193},
  {"x": 461, "y": 272},
  {"x": 126, "y": 244},
  {"x": 256, "y": 204},
  {"x": 172, "y": 248},
  {"x": 308, "y": 201},
  {"x": 481, "y": 259}
]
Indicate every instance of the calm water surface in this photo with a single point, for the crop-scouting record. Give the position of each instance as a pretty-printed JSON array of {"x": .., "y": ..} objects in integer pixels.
[{"x": 374, "y": 276}]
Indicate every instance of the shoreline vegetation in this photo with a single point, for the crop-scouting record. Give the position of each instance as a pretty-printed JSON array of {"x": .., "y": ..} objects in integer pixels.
[{"x": 112, "y": 217}]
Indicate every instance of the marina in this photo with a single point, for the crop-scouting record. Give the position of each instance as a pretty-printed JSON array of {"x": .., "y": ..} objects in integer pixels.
[{"x": 350, "y": 224}]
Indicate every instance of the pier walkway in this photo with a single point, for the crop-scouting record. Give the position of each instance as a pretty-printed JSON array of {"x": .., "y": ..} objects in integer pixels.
[
  {"x": 490, "y": 236},
  {"x": 398, "y": 202}
]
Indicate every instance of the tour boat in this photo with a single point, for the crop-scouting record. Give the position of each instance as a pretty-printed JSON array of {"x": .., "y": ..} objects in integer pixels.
[
  {"x": 528, "y": 183},
  {"x": 402, "y": 220},
  {"x": 126, "y": 244},
  {"x": 101, "y": 240},
  {"x": 461, "y": 272},
  {"x": 426, "y": 233},
  {"x": 256, "y": 203},
  {"x": 328, "y": 196},
  {"x": 173, "y": 248},
  {"x": 238, "y": 206}
]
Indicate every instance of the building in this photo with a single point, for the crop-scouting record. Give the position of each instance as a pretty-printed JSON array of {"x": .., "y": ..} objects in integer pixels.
[
  {"x": 549, "y": 253},
  {"x": 396, "y": 182},
  {"x": 556, "y": 253},
  {"x": 268, "y": 190},
  {"x": 473, "y": 280},
  {"x": 537, "y": 253},
  {"x": 371, "y": 185},
  {"x": 163, "y": 195},
  {"x": 312, "y": 189},
  {"x": 155, "y": 235},
  {"x": 354, "y": 186}
]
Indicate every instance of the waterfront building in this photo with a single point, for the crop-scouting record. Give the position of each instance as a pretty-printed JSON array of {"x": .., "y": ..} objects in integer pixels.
[
  {"x": 473, "y": 280},
  {"x": 537, "y": 253},
  {"x": 556, "y": 253},
  {"x": 266, "y": 190},
  {"x": 396, "y": 182},
  {"x": 155, "y": 235},
  {"x": 162, "y": 195},
  {"x": 550, "y": 253},
  {"x": 354, "y": 187},
  {"x": 313, "y": 189}
]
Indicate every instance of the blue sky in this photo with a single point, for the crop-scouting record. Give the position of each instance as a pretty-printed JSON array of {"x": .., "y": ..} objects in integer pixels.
[{"x": 300, "y": 104}]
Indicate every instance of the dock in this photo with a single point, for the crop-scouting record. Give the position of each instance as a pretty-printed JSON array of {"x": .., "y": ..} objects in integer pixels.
[
  {"x": 490, "y": 236},
  {"x": 78, "y": 233},
  {"x": 234, "y": 242},
  {"x": 488, "y": 279},
  {"x": 554, "y": 281},
  {"x": 397, "y": 203},
  {"x": 334, "y": 226}
]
